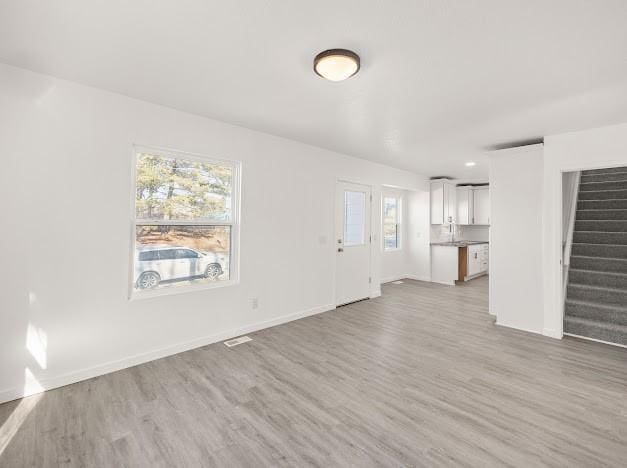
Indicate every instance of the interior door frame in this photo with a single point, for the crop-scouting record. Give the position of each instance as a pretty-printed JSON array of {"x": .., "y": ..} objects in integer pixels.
[
  {"x": 557, "y": 295},
  {"x": 373, "y": 237}
]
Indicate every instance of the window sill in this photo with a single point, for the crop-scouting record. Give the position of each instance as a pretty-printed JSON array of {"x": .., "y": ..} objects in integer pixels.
[
  {"x": 175, "y": 290},
  {"x": 398, "y": 249}
]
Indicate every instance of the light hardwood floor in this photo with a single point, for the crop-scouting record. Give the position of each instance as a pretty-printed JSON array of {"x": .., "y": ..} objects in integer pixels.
[{"x": 418, "y": 377}]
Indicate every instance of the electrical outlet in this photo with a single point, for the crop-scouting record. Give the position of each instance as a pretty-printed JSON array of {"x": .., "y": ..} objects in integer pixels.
[{"x": 255, "y": 303}]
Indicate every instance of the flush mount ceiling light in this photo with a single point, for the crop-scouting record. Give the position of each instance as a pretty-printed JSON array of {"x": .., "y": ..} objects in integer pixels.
[
  {"x": 470, "y": 164},
  {"x": 336, "y": 64}
]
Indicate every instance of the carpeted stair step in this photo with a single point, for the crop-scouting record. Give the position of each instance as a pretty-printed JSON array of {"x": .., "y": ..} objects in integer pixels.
[
  {"x": 608, "y": 265},
  {"x": 600, "y": 250},
  {"x": 602, "y": 186},
  {"x": 602, "y": 205},
  {"x": 597, "y": 278},
  {"x": 598, "y": 225},
  {"x": 597, "y": 330},
  {"x": 591, "y": 237},
  {"x": 596, "y": 312},
  {"x": 620, "y": 194},
  {"x": 597, "y": 295},
  {"x": 608, "y": 170},
  {"x": 585, "y": 178},
  {"x": 601, "y": 214}
]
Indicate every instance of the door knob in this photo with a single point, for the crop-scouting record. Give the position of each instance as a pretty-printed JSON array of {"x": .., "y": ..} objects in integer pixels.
[{"x": 340, "y": 249}]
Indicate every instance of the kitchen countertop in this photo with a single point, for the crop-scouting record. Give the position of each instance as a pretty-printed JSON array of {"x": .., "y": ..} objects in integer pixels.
[{"x": 461, "y": 243}]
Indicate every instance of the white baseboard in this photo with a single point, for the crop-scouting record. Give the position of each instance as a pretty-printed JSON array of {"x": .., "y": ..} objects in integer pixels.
[
  {"x": 419, "y": 278},
  {"x": 375, "y": 293},
  {"x": 402, "y": 277},
  {"x": 389, "y": 279},
  {"x": 595, "y": 340},
  {"x": 447, "y": 283},
  {"x": 130, "y": 361},
  {"x": 552, "y": 333},
  {"x": 528, "y": 330}
]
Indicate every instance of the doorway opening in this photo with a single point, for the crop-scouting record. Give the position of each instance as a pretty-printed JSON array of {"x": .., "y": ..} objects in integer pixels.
[{"x": 594, "y": 254}]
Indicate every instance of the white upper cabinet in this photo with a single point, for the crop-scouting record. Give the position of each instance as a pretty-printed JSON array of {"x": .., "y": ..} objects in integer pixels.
[
  {"x": 443, "y": 202},
  {"x": 473, "y": 205},
  {"x": 465, "y": 201},
  {"x": 481, "y": 206},
  {"x": 437, "y": 203}
]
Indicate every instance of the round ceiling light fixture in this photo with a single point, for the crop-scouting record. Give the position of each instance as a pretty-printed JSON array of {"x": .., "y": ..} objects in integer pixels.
[{"x": 336, "y": 64}]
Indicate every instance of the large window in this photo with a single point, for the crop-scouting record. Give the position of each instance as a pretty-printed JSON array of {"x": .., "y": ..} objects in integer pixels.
[
  {"x": 391, "y": 223},
  {"x": 185, "y": 221}
]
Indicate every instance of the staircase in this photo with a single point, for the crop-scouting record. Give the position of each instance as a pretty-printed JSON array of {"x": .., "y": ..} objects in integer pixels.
[{"x": 596, "y": 297}]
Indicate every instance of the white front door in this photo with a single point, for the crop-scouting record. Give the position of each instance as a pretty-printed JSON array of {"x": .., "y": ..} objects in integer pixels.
[{"x": 352, "y": 241}]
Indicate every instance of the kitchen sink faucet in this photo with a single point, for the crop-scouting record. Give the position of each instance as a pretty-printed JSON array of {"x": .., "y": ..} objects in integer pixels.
[{"x": 452, "y": 228}]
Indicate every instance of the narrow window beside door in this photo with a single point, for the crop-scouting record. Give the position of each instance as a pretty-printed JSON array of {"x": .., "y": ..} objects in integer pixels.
[{"x": 391, "y": 223}]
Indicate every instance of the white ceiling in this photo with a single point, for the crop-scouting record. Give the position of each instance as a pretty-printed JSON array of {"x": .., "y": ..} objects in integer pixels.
[{"x": 441, "y": 80}]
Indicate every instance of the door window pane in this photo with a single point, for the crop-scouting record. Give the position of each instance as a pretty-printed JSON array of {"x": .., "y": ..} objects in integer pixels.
[{"x": 354, "y": 217}]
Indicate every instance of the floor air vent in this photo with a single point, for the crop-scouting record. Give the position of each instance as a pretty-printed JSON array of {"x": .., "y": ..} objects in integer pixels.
[{"x": 236, "y": 341}]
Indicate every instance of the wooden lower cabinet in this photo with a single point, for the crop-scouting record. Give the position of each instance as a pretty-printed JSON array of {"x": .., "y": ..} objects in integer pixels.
[
  {"x": 473, "y": 261},
  {"x": 463, "y": 264}
]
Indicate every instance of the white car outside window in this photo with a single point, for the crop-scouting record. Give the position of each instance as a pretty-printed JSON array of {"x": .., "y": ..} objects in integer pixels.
[{"x": 154, "y": 265}]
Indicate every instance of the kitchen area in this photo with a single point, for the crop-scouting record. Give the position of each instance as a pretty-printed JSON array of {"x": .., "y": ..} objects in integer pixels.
[{"x": 460, "y": 231}]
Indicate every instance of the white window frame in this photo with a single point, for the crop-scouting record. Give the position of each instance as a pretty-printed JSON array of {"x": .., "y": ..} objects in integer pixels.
[
  {"x": 234, "y": 265},
  {"x": 399, "y": 230}
]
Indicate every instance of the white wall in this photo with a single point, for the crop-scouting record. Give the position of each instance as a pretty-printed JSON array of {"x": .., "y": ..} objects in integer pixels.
[
  {"x": 526, "y": 201},
  {"x": 65, "y": 179},
  {"x": 590, "y": 149},
  {"x": 516, "y": 201},
  {"x": 418, "y": 225},
  {"x": 412, "y": 260}
]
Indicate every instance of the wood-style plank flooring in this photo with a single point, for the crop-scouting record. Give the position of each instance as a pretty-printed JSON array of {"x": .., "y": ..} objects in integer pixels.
[{"x": 418, "y": 377}]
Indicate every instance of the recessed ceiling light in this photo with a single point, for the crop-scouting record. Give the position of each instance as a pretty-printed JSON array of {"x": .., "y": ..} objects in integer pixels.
[
  {"x": 470, "y": 163},
  {"x": 336, "y": 64}
]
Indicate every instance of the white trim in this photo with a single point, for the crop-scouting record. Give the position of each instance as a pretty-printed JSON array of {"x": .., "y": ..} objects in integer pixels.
[
  {"x": 389, "y": 279},
  {"x": 447, "y": 283},
  {"x": 552, "y": 333},
  {"x": 374, "y": 294},
  {"x": 516, "y": 327},
  {"x": 130, "y": 361},
  {"x": 594, "y": 339},
  {"x": 180, "y": 289},
  {"x": 419, "y": 278}
]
